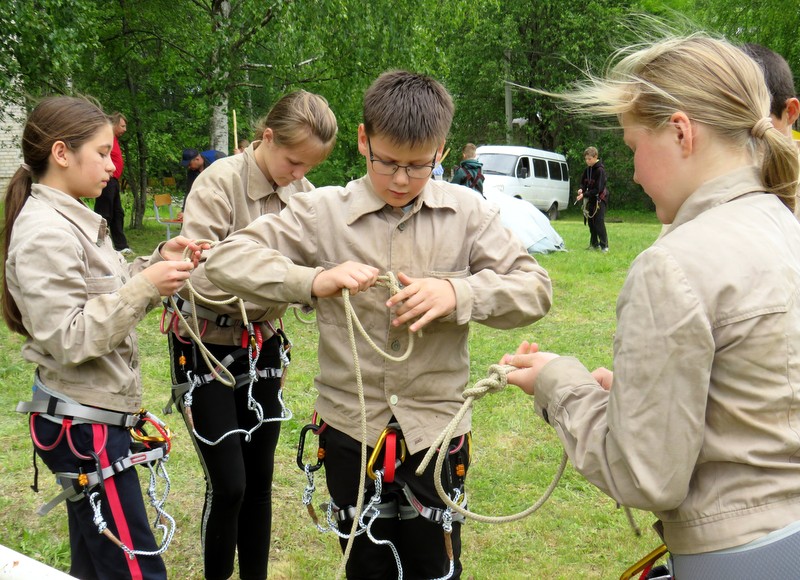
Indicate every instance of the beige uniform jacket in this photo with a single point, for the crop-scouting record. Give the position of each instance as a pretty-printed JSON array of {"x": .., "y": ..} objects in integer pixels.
[
  {"x": 225, "y": 197},
  {"x": 79, "y": 300},
  {"x": 702, "y": 424},
  {"x": 450, "y": 234}
]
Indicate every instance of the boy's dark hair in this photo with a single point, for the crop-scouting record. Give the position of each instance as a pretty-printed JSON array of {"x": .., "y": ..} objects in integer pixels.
[
  {"x": 777, "y": 75},
  {"x": 408, "y": 109}
]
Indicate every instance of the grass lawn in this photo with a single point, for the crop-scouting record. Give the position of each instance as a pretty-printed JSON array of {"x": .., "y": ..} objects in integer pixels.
[{"x": 578, "y": 533}]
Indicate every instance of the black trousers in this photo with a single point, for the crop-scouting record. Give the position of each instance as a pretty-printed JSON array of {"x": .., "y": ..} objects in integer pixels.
[
  {"x": 420, "y": 542},
  {"x": 597, "y": 224},
  {"x": 109, "y": 206},
  {"x": 237, "y": 513},
  {"x": 93, "y": 555}
]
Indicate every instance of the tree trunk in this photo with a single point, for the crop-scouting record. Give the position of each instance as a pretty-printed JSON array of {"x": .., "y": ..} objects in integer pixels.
[{"x": 219, "y": 125}]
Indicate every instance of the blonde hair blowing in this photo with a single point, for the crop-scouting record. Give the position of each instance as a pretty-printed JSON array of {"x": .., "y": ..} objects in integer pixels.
[
  {"x": 710, "y": 80},
  {"x": 297, "y": 116}
]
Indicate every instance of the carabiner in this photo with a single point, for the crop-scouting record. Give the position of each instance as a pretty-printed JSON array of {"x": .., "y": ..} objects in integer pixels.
[
  {"x": 315, "y": 430},
  {"x": 379, "y": 446},
  {"x": 164, "y": 434}
]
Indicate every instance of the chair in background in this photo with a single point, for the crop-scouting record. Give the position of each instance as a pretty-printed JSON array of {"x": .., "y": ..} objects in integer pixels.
[{"x": 162, "y": 202}]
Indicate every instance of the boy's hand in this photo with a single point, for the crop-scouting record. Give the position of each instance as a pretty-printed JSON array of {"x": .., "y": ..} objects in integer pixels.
[
  {"x": 351, "y": 275},
  {"x": 174, "y": 247},
  {"x": 530, "y": 362},
  {"x": 423, "y": 298},
  {"x": 168, "y": 277}
]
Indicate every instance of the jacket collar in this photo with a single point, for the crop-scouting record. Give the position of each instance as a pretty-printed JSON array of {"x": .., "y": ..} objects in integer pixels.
[
  {"x": 722, "y": 189},
  {"x": 258, "y": 186},
  {"x": 91, "y": 224},
  {"x": 364, "y": 200}
]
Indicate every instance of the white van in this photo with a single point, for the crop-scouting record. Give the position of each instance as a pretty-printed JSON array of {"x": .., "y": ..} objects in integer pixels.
[{"x": 540, "y": 177}]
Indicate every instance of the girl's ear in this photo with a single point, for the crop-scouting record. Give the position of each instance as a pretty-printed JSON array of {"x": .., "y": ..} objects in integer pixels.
[
  {"x": 59, "y": 153},
  {"x": 267, "y": 136},
  {"x": 684, "y": 132}
]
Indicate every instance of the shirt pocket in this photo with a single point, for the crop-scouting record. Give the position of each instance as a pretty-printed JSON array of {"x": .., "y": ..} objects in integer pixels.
[
  {"x": 443, "y": 274},
  {"x": 98, "y": 285}
]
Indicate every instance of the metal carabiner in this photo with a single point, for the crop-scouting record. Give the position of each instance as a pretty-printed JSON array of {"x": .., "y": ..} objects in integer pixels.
[
  {"x": 315, "y": 430},
  {"x": 379, "y": 446},
  {"x": 164, "y": 436}
]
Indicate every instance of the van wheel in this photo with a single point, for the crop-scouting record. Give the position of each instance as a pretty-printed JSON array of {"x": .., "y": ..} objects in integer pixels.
[{"x": 552, "y": 213}]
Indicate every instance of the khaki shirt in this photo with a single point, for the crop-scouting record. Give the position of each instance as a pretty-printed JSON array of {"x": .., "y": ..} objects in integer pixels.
[
  {"x": 80, "y": 301},
  {"x": 225, "y": 197},
  {"x": 702, "y": 424},
  {"x": 450, "y": 234}
]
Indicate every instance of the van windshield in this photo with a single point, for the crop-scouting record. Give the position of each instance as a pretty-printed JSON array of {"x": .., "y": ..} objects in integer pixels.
[{"x": 498, "y": 163}]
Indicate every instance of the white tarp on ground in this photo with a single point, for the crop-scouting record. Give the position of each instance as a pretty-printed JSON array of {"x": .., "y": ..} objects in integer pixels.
[
  {"x": 16, "y": 565},
  {"x": 529, "y": 224}
]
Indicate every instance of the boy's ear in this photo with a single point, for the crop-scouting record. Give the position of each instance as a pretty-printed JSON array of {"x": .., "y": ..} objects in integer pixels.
[
  {"x": 59, "y": 153},
  {"x": 684, "y": 131},
  {"x": 792, "y": 110},
  {"x": 362, "y": 140}
]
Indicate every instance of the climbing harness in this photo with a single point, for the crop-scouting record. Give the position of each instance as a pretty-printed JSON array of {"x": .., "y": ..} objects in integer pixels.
[
  {"x": 148, "y": 450},
  {"x": 252, "y": 340},
  {"x": 364, "y": 516}
]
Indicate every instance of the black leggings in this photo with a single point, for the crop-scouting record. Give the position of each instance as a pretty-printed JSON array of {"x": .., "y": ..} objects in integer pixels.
[{"x": 238, "y": 473}]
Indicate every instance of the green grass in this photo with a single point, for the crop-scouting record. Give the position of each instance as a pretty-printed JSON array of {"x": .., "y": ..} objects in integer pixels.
[{"x": 579, "y": 532}]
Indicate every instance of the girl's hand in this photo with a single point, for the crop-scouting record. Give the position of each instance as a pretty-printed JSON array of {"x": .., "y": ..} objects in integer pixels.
[
  {"x": 530, "y": 362},
  {"x": 169, "y": 276},
  {"x": 174, "y": 248}
]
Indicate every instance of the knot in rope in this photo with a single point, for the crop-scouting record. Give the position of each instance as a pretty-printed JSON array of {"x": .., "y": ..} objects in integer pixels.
[{"x": 494, "y": 383}]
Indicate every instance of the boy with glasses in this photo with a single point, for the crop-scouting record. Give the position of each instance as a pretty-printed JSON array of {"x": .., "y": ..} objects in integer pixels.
[{"x": 456, "y": 263}]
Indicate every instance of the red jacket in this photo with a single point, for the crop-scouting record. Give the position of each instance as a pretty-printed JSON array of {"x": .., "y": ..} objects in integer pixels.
[{"x": 116, "y": 157}]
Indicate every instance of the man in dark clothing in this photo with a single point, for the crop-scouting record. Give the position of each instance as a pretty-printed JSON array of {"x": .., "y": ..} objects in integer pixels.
[
  {"x": 593, "y": 188},
  {"x": 469, "y": 170},
  {"x": 109, "y": 204},
  {"x": 195, "y": 162}
]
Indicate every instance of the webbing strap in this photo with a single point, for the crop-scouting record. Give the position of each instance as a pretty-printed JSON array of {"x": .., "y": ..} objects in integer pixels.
[
  {"x": 57, "y": 409},
  {"x": 73, "y": 492}
]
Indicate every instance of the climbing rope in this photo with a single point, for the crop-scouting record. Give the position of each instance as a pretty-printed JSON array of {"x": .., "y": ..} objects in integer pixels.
[
  {"x": 217, "y": 368},
  {"x": 495, "y": 382}
]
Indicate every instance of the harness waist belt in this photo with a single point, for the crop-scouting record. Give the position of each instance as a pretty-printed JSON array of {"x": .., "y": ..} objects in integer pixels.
[
  {"x": 56, "y": 408},
  {"x": 221, "y": 320}
]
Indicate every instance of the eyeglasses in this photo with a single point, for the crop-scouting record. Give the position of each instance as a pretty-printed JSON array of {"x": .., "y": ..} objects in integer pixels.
[{"x": 413, "y": 171}]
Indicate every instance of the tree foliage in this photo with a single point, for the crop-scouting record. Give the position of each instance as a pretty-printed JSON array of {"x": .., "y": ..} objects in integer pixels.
[{"x": 178, "y": 69}]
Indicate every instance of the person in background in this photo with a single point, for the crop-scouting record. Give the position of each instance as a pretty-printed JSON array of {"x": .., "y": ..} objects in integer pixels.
[
  {"x": 469, "y": 171},
  {"x": 243, "y": 144},
  {"x": 698, "y": 422},
  {"x": 594, "y": 189},
  {"x": 109, "y": 204},
  {"x": 297, "y": 134},
  {"x": 784, "y": 106}
]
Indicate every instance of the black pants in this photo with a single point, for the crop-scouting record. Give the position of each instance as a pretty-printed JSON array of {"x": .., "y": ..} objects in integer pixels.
[
  {"x": 109, "y": 206},
  {"x": 94, "y": 556},
  {"x": 597, "y": 224},
  {"x": 237, "y": 513},
  {"x": 420, "y": 542}
]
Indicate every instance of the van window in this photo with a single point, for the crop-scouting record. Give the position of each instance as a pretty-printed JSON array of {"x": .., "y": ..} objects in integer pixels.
[
  {"x": 564, "y": 172},
  {"x": 498, "y": 163},
  {"x": 540, "y": 168},
  {"x": 524, "y": 168},
  {"x": 555, "y": 170}
]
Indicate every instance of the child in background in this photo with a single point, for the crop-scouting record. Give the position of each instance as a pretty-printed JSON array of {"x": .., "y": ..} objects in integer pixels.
[
  {"x": 298, "y": 133},
  {"x": 699, "y": 420},
  {"x": 456, "y": 262},
  {"x": 77, "y": 301}
]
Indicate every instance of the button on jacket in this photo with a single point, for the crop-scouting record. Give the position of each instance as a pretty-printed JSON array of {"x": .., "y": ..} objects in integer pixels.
[
  {"x": 225, "y": 197},
  {"x": 702, "y": 424},
  {"x": 450, "y": 234},
  {"x": 80, "y": 301}
]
